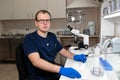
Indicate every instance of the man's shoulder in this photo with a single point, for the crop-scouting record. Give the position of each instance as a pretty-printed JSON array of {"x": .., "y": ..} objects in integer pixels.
[
  {"x": 30, "y": 34},
  {"x": 51, "y": 34}
]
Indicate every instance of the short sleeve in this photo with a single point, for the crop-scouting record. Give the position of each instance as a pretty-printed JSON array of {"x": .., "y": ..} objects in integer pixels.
[{"x": 28, "y": 45}]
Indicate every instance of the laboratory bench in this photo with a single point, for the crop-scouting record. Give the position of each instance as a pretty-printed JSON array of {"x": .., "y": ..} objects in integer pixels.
[
  {"x": 93, "y": 64},
  {"x": 68, "y": 40}
]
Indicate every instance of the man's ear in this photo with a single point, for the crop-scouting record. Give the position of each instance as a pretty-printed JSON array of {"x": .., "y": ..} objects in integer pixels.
[{"x": 36, "y": 23}]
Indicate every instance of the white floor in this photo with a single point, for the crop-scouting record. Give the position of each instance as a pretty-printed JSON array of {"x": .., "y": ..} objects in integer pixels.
[{"x": 8, "y": 72}]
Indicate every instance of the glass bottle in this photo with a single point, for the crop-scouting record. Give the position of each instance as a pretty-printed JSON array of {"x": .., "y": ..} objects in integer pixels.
[{"x": 27, "y": 30}]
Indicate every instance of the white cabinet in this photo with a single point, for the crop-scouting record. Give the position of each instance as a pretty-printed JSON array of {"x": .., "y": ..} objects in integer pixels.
[
  {"x": 36, "y": 5},
  {"x": 26, "y": 9},
  {"x": 14, "y": 9},
  {"x": 6, "y": 9},
  {"x": 21, "y": 9},
  {"x": 57, "y": 8}
]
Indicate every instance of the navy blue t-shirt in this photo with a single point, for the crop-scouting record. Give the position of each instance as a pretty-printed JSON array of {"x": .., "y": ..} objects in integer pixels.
[{"x": 46, "y": 47}]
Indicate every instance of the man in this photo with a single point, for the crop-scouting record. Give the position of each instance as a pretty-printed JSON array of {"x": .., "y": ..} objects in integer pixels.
[{"x": 41, "y": 47}]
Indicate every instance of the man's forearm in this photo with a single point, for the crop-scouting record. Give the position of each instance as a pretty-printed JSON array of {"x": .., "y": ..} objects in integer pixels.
[
  {"x": 47, "y": 66},
  {"x": 42, "y": 64},
  {"x": 66, "y": 53}
]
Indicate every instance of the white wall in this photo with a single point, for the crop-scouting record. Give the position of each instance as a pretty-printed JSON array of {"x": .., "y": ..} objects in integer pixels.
[
  {"x": 107, "y": 29},
  {"x": 117, "y": 30}
]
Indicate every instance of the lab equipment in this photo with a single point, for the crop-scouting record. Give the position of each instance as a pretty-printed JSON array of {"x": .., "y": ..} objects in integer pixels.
[
  {"x": 89, "y": 55},
  {"x": 85, "y": 42},
  {"x": 96, "y": 71},
  {"x": 91, "y": 52},
  {"x": 106, "y": 43},
  {"x": 105, "y": 64},
  {"x": 104, "y": 46},
  {"x": 80, "y": 57},
  {"x": 69, "y": 72},
  {"x": 115, "y": 44}
]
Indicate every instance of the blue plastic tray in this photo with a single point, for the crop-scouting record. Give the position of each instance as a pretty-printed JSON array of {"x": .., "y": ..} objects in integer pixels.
[{"x": 105, "y": 64}]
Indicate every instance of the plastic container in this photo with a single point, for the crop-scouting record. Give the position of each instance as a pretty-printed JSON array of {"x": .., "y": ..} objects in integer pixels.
[
  {"x": 118, "y": 4},
  {"x": 91, "y": 27},
  {"x": 113, "y": 5}
]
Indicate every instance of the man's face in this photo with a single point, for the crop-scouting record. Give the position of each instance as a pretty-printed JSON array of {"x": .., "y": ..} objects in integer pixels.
[{"x": 43, "y": 22}]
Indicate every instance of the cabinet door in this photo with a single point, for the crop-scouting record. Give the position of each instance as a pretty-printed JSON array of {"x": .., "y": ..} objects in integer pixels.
[
  {"x": 36, "y": 5},
  {"x": 5, "y": 51},
  {"x": 21, "y": 9},
  {"x": 26, "y": 9},
  {"x": 6, "y": 9},
  {"x": 14, "y": 43},
  {"x": 57, "y": 8}
]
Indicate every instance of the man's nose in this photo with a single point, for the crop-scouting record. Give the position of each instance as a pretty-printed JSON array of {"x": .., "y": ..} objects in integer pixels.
[{"x": 44, "y": 22}]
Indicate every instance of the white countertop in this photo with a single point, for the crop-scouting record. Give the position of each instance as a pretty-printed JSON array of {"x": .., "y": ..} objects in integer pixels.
[{"x": 86, "y": 68}]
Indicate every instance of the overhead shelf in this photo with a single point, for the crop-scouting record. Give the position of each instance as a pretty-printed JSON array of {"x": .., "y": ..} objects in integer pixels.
[{"x": 114, "y": 17}]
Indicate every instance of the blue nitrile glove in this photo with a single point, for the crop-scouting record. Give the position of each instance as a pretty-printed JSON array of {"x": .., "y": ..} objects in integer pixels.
[
  {"x": 69, "y": 72},
  {"x": 80, "y": 57}
]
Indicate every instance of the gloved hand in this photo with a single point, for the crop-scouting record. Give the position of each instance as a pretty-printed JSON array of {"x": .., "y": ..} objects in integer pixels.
[
  {"x": 69, "y": 72},
  {"x": 80, "y": 57}
]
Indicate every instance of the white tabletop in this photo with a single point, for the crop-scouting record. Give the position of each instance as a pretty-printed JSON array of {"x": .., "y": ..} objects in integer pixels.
[{"x": 85, "y": 68}]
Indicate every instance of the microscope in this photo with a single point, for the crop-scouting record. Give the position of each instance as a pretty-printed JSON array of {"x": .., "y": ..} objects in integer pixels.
[{"x": 77, "y": 34}]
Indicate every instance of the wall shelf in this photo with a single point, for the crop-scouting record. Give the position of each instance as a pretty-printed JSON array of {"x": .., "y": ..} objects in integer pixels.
[{"x": 114, "y": 17}]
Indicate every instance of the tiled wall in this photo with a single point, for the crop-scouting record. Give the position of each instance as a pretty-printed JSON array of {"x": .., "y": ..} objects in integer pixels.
[
  {"x": 19, "y": 26},
  {"x": 88, "y": 14}
]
